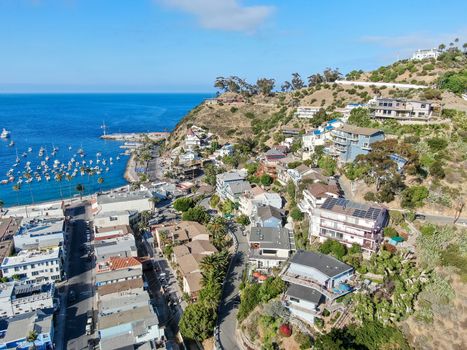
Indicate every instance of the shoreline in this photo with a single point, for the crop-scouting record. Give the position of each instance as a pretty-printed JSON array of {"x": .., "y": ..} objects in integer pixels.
[{"x": 130, "y": 173}]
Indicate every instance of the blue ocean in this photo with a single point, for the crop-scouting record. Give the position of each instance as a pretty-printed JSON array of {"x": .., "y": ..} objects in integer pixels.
[{"x": 67, "y": 127}]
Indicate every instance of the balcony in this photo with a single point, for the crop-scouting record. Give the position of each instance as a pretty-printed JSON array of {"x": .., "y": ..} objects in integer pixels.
[{"x": 361, "y": 230}]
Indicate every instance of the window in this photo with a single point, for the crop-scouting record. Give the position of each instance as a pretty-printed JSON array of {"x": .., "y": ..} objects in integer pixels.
[
  {"x": 35, "y": 273},
  {"x": 423, "y": 105},
  {"x": 295, "y": 300}
]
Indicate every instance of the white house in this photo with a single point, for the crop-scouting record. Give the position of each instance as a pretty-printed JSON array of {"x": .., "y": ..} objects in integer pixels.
[
  {"x": 231, "y": 185},
  {"x": 315, "y": 194},
  {"x": 125, "y": 200},
  {"x": 307, "y": 112},
  {"x": 257, "y": 196},
  {"x": 192, "y": 140},
  {"x": 34, "y": 266},
  {"x": 269, "y": 247},
  {"x": 40, "y": 233},
  {"x": 314, "y": 279},
  {"x": 189, "y": 156},
  {"x": 318, "y": 137},
  {"x": 17, "y": 299},
  {"x": 425, "y": 54},
  {"x": 226, "y": 150}
]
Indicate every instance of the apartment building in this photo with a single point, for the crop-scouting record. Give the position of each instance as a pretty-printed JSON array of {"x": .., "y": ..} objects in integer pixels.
[
  {"x": 231, "y": 185},
  {"x": 349, "y": 141},
  {"x": 121, "y": 246},
  {"x": 34, "y": 266},
  {"x": 270, "y": 247},
  {"x": 114, "y": 218},
  {"x": 349, "y": 223},
  {"x": 17, "y": 299},
  {"x": 124, "y": 200},
  {"x": 40, "y": 233},
  {"x": 400, "y": 109},
  {"x": 314, "y": 281},
  {"x": 116, "y": 269}
]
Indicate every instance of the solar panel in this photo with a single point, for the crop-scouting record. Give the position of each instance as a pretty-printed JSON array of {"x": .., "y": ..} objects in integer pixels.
[
  {"x": 369, "y": 213},
  {"x": 359, "y": 213}
]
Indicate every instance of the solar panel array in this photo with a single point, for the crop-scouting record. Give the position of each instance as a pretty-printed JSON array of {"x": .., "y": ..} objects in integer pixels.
[{"x": 360, "y": 211}]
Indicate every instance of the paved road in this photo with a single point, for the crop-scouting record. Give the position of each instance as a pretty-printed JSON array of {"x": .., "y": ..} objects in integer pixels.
[
  {"x": 435, "y": 219},
  {"x": 80, "y": 281},
  {"x": 228, "y": 307}
]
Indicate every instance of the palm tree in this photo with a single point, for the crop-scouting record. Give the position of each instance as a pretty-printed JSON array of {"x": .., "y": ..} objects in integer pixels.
[
  {"x": 100, "y": 181},
  {"x": 16, "y": 188},
  {"x": 441, "y": 47},
  {"x": 80, "y": 188},
  {"x": 59, "y": 178},
  {"x": 154, "y": 201},
  {"x": 464, "y": 46},
  {"x": 31, "y": 338},
  {"x": 68, "y": 177}
]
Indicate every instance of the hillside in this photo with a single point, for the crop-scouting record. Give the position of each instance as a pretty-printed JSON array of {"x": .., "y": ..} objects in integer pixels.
[{"x": 234, "y": 121}]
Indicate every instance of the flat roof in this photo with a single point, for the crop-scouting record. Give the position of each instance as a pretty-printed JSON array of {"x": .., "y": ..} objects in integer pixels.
[
  {"x": 347, "y": 207},
  {"x": 31, "y": 256},
  {"x": 115, "y": 197},
  {"x": 352, "y": 129},
  {"x": 142, "y": 313},
  {"x": 41, "y": 227},
  {"x": 122, "y": 286},
  {"x": 269, "y": 237},
  {"x": 326, "y": 264},
  {"x": 231, "y": 176}
]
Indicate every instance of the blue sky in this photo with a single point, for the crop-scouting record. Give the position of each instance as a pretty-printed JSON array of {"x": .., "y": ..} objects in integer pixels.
[{"x": 182, "y": 45}]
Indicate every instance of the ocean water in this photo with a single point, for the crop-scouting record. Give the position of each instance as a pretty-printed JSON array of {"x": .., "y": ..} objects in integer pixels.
[{"x": 74, "y": 121}]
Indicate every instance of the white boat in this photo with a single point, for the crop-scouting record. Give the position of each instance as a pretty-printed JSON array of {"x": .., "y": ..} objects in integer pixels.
[
  {"x": 5, "y": 134},
  {"x": 11, "y": 144}
]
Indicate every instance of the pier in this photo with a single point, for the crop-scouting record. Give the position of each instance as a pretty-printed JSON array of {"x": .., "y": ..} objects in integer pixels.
[{"x": 136, "y": 136}]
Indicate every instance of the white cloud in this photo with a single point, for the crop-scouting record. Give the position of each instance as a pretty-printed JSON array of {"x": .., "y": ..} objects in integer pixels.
[{"x": 223, "y": 14}]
